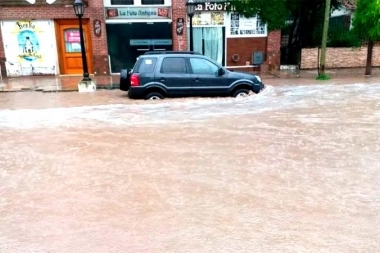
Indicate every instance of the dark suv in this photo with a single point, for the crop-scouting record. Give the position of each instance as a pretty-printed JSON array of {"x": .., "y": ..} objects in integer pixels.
[{"x": 179, "y": 74}]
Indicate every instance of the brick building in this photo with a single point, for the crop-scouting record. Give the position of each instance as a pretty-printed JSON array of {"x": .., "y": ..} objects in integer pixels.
[
  {"x": 228, "y": 38},
  {"x": 43, "y": 38},
  {"x": 136, "y": 26}
]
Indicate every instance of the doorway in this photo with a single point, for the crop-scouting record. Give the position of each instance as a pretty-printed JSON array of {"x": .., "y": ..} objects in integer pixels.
[
  {"x": 69, "y": 48},
  {"x": 128, "y": 41},
  {"x": 209, "y": 41}
]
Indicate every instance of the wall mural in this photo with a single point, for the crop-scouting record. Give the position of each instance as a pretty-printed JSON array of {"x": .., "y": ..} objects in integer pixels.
[{"x": 29, "y": 47}]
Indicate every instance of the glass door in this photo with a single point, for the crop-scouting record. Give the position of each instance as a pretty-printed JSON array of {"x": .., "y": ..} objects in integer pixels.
[{"x": 126, "y": 42}]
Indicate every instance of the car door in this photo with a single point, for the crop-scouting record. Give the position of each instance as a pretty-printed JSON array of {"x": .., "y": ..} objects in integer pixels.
[
  {"x": 205, "y": 78},
  {"x": 174, "y": 75}
]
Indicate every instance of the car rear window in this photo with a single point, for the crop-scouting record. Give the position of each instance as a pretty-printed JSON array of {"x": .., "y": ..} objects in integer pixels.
[{"x": 145, "y": 65}]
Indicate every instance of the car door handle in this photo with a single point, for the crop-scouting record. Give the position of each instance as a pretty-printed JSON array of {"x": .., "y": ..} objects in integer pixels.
[
  {"x": 197, "y": 80},
  {"x": 162, "y": 80}
]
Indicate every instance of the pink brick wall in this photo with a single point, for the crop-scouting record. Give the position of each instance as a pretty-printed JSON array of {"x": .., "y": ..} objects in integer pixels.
[
  {"x": 273, "y": 49},
  {"x": 339, "y": 57}
]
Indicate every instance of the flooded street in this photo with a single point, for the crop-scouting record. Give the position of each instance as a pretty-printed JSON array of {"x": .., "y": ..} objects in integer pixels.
[{"x": 295, "y": 168}]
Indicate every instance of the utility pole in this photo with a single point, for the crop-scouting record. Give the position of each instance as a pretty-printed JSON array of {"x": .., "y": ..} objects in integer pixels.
[{"x": 322, "y": 61}]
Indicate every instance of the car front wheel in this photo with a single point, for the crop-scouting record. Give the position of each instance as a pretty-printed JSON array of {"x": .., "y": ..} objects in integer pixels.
[
  {"x": 154, "y": 96},
  {"x": 242, "y": 93}
]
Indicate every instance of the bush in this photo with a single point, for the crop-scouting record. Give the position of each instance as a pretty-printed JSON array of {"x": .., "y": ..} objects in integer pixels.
[
  {"x": 343, "y": 38},
  {"x": 322, "y": 77}
]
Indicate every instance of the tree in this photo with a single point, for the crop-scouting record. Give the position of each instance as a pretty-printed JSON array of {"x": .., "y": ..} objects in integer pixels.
[
  {"x": 275, "y": 17},
  {"x": 367, "y": 25},
  {"x": 322, "y": 74}
]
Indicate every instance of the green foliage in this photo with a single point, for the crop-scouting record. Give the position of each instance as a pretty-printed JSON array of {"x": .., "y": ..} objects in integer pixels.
[
  {"x": 305, "y": 15},
  {"x": 272, "y": 12},
  {"x": 367, "y": 19},
  {"x": 343, "y": 38},
  {"x": 322, "y": 77},
  {"x": 339, "y": 34}
]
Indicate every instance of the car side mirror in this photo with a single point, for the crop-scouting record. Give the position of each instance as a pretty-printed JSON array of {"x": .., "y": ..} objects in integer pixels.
[{"x": 221, "y": 72}]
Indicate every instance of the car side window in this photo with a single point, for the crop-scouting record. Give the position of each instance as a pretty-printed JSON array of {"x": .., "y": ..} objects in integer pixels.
[
  {"x": 174, "y": 65},
  {"x": 203, "y": 66}
]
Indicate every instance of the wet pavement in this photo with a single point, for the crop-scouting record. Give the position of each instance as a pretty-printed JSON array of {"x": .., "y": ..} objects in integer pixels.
[
  {"x": 295, "y": 168},
  {"x": 54, "y": 83},
  {"x": 69, "y": 83}
]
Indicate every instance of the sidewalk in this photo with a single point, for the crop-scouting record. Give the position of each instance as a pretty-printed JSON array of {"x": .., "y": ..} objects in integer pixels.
[
  {"x": 109, "y": 82},
  {"x": 54, "y": 83}
]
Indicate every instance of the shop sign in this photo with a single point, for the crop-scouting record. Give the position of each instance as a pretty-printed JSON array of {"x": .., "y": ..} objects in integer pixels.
[
  {"x": 73, "y": 36},
  {"x": 208, "y": 18},
  {"x": 157, "y": 42},
  {"x": 179, "y": 26},
  {"x": 241, "y": 26},
  {"x": 139, "y": 13},
  {"x": 209, "y": 6},
  {"x": 97, "y": 28}
]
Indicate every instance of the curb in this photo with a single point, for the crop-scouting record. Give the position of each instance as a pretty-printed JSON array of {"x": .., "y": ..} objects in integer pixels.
[{"x": 42, "y": 90}]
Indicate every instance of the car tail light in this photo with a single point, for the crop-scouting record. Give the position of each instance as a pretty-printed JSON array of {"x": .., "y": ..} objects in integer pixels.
[{"x": 135, "y": 80}]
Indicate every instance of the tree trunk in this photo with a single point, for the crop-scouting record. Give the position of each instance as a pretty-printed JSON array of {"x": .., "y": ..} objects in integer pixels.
[
  {"x": 322, "y": 61},
  {"x": 368, "y": 66}
]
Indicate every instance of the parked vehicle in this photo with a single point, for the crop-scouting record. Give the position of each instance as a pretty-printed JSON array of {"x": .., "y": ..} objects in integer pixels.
[{"x": 157, "y": 75}]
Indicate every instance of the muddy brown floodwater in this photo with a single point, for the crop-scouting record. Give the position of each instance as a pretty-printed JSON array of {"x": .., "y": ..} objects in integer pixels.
[{"x": 293, "y": 169}]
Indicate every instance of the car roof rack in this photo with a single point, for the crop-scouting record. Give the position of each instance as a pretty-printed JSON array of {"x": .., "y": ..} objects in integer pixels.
[{"x": 171, "y": 52}]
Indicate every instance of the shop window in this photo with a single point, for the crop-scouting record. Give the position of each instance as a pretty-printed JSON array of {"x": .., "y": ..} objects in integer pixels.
[
  {"x": 122, "y": 2},
  {"x": 126, "y": 42},
  {"x": 174, "y": 66},
  {"x": 209, "y": 41},
  {"x": 72, "y": 40},
  {"x": 152, "y": 2}
]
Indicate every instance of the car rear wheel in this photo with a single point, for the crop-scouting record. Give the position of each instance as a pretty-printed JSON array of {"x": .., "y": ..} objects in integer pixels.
[
  {"x": 154, "y": 96},
  {"x": 242, "y": 93}
]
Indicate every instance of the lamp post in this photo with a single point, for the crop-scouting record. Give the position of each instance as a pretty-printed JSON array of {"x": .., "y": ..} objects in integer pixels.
[
  {"x": 190, "y": 7},
  {"x": 79, "y": 11}
]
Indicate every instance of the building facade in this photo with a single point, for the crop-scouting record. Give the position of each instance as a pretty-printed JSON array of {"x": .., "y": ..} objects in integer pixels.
[
  {"x": 136, "y": 26},
  {"x": 43, "y": 38},
  {"x": 228, "y": 38}
]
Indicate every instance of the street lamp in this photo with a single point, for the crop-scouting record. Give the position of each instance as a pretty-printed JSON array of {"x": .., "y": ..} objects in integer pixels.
[
  {"x": 190, "y": 7},
  {"x": 79, "y": 11}
]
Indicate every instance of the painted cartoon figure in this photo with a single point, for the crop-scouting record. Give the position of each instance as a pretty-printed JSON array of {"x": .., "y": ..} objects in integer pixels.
[{"x": 28, "y": 46}]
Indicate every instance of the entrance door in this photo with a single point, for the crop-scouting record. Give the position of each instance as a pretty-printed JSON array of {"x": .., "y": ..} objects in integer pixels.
[
  {"x": 126, "y": 42},
  {"x": 68, "y": 44}
]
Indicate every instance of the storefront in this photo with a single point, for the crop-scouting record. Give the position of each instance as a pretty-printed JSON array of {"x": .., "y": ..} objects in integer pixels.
[
  {"x": 43, "y": 38},
  {"x": 209, "y": 32},
  {"x": 133, "y": 30},
  {"x": 228, "y": 38},
  {"x": 30, "y": 47}
]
